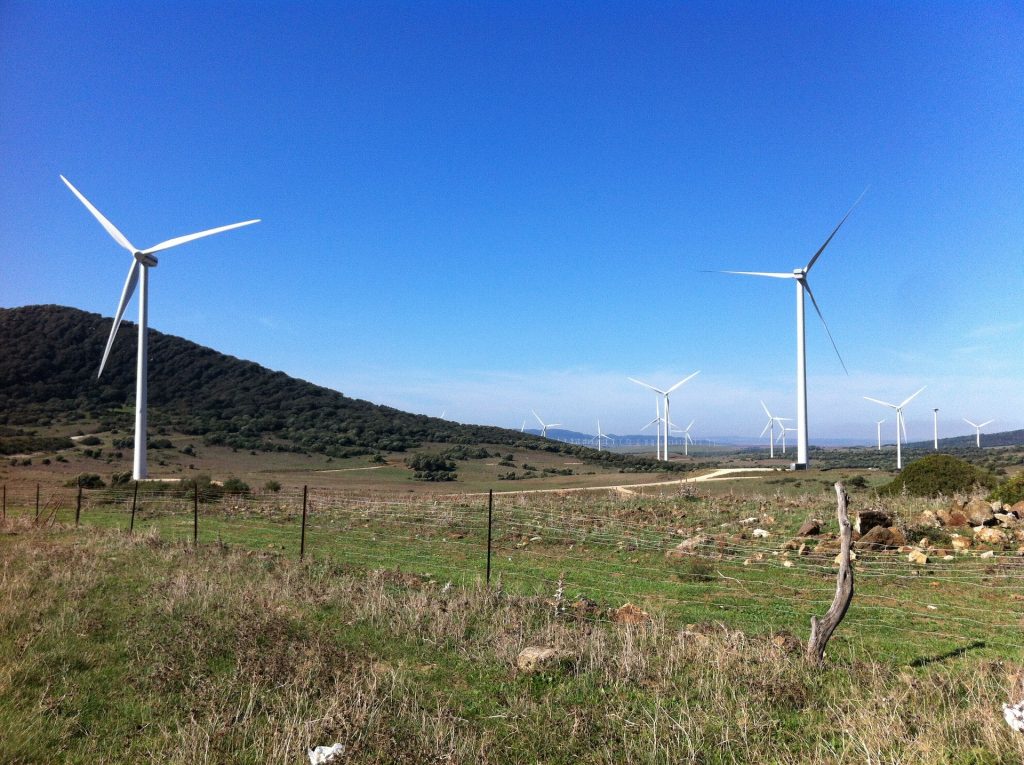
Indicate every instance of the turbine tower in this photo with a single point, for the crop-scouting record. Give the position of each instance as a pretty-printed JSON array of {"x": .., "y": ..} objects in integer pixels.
[
  {"x": 138, "y": 274},
  {"x": 977, "y": 430},
  {"x": 657, "y": 438},
  {"x": 665, "y": 393},
  {"x": 878, "y": 425},
  {"x": 802, "y": 285},
  {"x": 900, "y": 424},
  {"x": 544, "y": 427},
  {"x": 935, "y": 430}
]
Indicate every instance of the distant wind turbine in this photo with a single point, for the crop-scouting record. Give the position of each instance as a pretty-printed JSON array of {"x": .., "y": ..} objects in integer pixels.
[
  {"x": 977, "y": 430},
  {"x": 935, "y": 424},
  {"x": 655, "y": 421},
  {"x": 665, "y": 394},
  {"x": 769, "y": 428},
  {"x": 687, "y": 439},
  {"x": 142, "y": 261},
  {"x": 901, "y": 426},
  {"x": 878, "y": 425},
  {"x": 802, "y": 286},
  {"x": 544, "y": 427},
  {"x": 599, "y": 436},
  {"x": 783, "y": 430}
]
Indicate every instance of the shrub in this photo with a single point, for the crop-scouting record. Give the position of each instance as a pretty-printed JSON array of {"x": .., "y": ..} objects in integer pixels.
[
  {"x": 90, "y": 441},
  {"x": 87, "y": 481},
  {"x": 235, "y": 486},
  {"x": 272, "y": 485},
  {"x": 1011, "y": 491},
  {"x": 938, "y": 474},
  {"x": 431, "y": 467}
]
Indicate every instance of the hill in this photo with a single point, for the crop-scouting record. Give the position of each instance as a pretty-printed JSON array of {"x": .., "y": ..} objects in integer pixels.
[{"x": 48, "y": 361}]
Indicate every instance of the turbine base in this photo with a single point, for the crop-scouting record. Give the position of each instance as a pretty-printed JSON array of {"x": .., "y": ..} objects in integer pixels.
[{"x": 798, "y": 466}]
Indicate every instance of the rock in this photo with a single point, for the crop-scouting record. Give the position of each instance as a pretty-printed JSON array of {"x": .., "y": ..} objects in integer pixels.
[
  {"x": 954, "y": 517},
  {"x": 630, "y": 614},
  {"x": 585, "y": 608},
  {"x": 322, "y": 755},
  {"x": 788, "y": 642},
  {"x": 792, "y": 544},
  {"x": 991, "y": 536},
  {"x": 828, "y": 545},
  {"x": 880, "y": 538},
  {"x": 918, "y": 557},
  {"x": 787, "y": 564},
  {"x": 689, "y": 546},
  {"x": 868, "y": 519},
  {"x": 761, "y": 533},
  {"x": 1018, "y": 509},
  {"x": 928, "y": 520},
  {"x": 960, "y": 543},
  {"x": 988, "y": 554},
  {"x": 979, "y": 513},
  {"x": 838, "y": 560},
  {"x": 810, "y": 528},
  {"x": 538, "y": 658},
  {"x": 1006, "y": 519}
]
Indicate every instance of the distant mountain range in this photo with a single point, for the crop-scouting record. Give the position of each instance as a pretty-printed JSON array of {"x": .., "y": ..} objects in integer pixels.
[{"x": 48, "y": 361}]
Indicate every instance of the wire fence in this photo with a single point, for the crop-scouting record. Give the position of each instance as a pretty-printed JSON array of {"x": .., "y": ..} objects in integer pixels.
[{"x": 585, "y": 557}]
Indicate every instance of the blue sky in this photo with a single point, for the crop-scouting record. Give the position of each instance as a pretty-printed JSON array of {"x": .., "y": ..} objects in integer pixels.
[{"x": 483, "y": 208}]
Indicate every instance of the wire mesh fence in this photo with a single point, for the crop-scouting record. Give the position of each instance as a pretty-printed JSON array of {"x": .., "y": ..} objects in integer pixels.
[{"x": 585, "y": 556}]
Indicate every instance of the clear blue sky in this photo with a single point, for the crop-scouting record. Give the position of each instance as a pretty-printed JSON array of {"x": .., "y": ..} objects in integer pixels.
[{"x": 483, "y": 208}]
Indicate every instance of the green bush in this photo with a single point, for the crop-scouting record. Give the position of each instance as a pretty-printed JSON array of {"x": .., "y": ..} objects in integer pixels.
[
  {"x": 235, "y": 486},
  {"x": 1011, "y": 491},
  {"x": 938, "y": 474},
  {"x": 272, "y": 485},
  {"x": 87, "y": 481}
]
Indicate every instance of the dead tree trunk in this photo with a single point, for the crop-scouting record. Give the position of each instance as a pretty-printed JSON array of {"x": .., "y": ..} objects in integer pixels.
[{"x": 821, "y": 631}]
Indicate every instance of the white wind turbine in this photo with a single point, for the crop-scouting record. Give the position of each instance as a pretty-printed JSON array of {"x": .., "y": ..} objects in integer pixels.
[
  {"x": 544, "y": 427},
  {"x": 665, "y": 394},
  {"x": 878, "y": 426},
  {"x": 142, "y": 261},
  {"x": 783, "y": 430},
  {"x": 900, "y": 424},
  {"x": 655, "y": 421},
  {"x": 977, "y": 430},
  {"x": 802, "y": 286},
  {"x": 599, "y": 436},
  {"x": 687, "y": 439},
  {"x": 770, "y": 429}
]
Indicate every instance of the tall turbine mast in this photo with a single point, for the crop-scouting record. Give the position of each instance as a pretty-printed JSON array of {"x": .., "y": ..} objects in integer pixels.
[
  {"x": 901, "y": 426},
  {"x": 935, "y": 430},
  {"x": 138, "y": 274},
  {"x": 977, "y": 430},
  {"x": 879, "y": 427},
  {"x": 799, "y": 275}
]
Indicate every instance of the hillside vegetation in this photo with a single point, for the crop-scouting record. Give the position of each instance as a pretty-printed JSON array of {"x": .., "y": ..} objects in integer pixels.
[{"x": 48, "y": 361}]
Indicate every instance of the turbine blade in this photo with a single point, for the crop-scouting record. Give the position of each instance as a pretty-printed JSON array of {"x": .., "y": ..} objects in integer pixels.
[
  {"x": 641, "y": 382},
  {"x": 987, "y": 422},
  {"x": 814, "y": 302},
  {"x": 759, "y": 273},
  {"x": 912, "y": 397},
  {"x": 120, "y": 238},
  {"x": 971, "y": 423},
  {"x": 126, "y": 295},
  {"x": 191, "y": 237},
  {"x": 539, "y": 419},
  {"x": 656, "y": 419},
  {"x": 681, "y": 382},
  {"x": 822, "y": 248},
  {"x": 690, "y": 426},
  {"x": 903, "y": 427},
  {"x": 883, "y": 403},
  {"x": 765, "y": 409},
  {"x": 766, "y": 428}
]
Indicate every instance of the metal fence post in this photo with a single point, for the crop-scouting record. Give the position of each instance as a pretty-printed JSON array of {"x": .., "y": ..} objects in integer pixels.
[
  {"x": 135, "y": 497},
  {"x": 78, "y": 502},
  {"x": 195, "y": 512},
  {"x": 490, "y": 512},
  {"x": 302, "y": 544}
]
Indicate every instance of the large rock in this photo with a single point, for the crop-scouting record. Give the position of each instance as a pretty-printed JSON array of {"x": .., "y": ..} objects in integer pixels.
[
  {"x": 880, "y": 538},
  {"x": 927, "y": 520},
  {"x": 953, "y": 517},
  {"x": 991, "y": 536},
  {"x": 539, "y": 658},
  {"x": 979, "y": 513},
  {"x": 869, "y": 519},
  {"x": 920, "y": 557},
  {"x": 630, "y": 614},
  {"x": 1018, "y": 509},
  {"x": 689, "y": 546},
  {"x": 810, "y": 528},
  {"x": 960, "y": 543}
]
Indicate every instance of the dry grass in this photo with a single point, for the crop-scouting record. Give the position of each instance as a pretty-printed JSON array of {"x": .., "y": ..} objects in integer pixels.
[{"x": 119, "y": 649}]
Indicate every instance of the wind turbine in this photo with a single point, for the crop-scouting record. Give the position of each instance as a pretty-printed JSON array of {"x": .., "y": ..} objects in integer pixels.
[
  {"x": 665, "y": 393},
  {"x": 878, "y": 426},
  {"x": 655, "y": 421},
  {"x": 770, "y": 426},
  {"x": 138, "y": 272},
  {"x": 977, "y": 430},
  {"x": 802, "y": 285},
  {"x": 900, "y": 424},
  {"x": 599, "y": 436},
  {"x": 544, "y": 427},
  {"x": 687, "y": 440},
  {"x": 935, "y": 422}
]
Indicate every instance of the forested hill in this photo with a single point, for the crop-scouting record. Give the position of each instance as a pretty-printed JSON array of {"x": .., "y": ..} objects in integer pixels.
[{"x": 48, "y": 361}]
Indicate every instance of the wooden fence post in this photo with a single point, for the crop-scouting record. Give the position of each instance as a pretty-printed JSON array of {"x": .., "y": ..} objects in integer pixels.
[
  {"x": 135, "y": 497},
  {"x": 195, "y": 512},
  {"x": 37, "y": 503},
  {"x": 78, "y": 502},
  {"x": 5, "y": 502},
  {"x": 490, "y": 515},
  {"x": 302, "y": 543},
  {"x": 821, "y": 631}
]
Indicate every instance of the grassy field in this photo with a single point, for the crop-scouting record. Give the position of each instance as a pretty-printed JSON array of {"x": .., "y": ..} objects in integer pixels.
[{"x": 127, "y": 648}]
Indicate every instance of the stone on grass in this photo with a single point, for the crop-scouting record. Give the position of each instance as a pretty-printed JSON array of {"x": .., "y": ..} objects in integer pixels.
[
  {"x": 1014, "y": 716},
  {"x": 979, "y": 513},
  {"x": 761, "y": 533},
  {"x": 953, "y": 517},
  {"x": 868, "y": 519},
  {"x": 990, "y": 535},
  {"x": 810, "y": 528},
  {"x": 927, "y": 519},
  {"x": 630, "y": 614},
  {"x": 322, "y": 755},
  {"x": 1017, "y": 508},
  {"x": 918, "y": 556},
  {"x": 538, "y": 658},
  {"x": 961, "y": 543},
  {"x": 988, "y": 554},
  {"x": 688, "y": 546},
  {"x": 880, "y": 538}
]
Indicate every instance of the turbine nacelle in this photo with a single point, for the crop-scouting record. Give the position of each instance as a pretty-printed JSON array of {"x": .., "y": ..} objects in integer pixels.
[{"x": 145, "y": 259}]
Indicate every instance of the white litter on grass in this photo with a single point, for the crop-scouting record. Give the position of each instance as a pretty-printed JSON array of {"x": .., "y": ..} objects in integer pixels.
[
  {"x": 325, "y": 754},
  {"x": 761, "y": 533},
  {"x": 1014, "y": 716}
]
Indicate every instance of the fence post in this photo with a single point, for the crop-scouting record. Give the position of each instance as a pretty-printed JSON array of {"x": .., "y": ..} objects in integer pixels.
[
  {"x": 135, "y": 497},
  {"x": 37, "y": 503},
  {"x": 821, "y": 630},
  {"x": 195, "y": 512},
  {"x": 78, "y": 502},
  {"x": 302, "y": 544},
  {"x": 5, "y": 502},
  {"x": 490, "y": 513}
]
